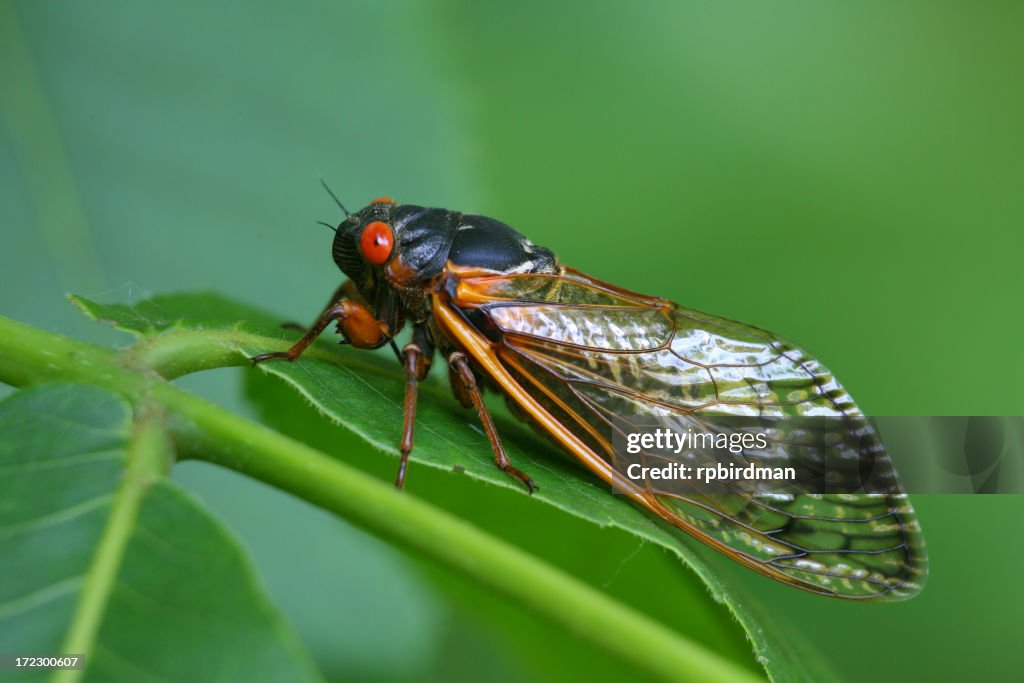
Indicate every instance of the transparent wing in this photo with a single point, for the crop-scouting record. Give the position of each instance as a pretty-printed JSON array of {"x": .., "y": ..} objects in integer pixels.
[{"x": 597, "y": 357}]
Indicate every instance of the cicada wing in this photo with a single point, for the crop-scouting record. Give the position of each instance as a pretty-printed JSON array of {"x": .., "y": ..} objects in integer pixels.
[{"x": 595, "y": 357}]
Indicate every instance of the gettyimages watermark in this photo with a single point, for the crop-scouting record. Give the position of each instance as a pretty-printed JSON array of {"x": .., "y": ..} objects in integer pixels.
[
  {"x": 663, "y": 443},
  {"x": 692, "y": 455}
]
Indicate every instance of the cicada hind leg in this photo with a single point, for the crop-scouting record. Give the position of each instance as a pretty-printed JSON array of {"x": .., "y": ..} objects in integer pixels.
[{"x": 468, "y": 393}]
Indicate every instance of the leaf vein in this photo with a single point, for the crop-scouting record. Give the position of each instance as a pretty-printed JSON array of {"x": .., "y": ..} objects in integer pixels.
[
  {"x": 46, "y": 521},
  {"x": 38, "y": 598}
]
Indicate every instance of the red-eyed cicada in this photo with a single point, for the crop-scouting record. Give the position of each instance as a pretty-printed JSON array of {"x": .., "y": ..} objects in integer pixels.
[{"x": 571, "y": 353}]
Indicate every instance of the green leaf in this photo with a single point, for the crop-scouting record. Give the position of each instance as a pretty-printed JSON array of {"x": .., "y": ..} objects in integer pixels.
[
  {"x": 363, "y": 392},
  {"x": 203, "y": 430},
  {"x": 197, "y": 310},
  {"x": 104, "y": 556}
]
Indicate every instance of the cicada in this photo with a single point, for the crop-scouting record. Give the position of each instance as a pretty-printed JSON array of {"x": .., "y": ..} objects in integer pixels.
[{"x": 570, "y": 352}]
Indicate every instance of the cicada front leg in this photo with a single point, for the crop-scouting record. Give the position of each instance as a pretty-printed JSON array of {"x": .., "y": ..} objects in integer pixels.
[{"x": 357, "y": 324}]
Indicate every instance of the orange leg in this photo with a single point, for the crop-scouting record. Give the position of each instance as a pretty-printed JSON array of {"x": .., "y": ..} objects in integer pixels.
[
  {"x": 355, "y": 322},
  {"x": 464, "y": 383},
  {"x": 416, "y": 367}
]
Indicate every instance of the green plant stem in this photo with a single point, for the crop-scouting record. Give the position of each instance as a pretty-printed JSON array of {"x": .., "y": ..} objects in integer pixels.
[
  {"x": 178, "y": 352},
  {"x": 202, "y": 430}
]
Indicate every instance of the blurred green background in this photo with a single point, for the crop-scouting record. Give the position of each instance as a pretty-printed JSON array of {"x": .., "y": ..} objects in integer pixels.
[{"x": 848, "y": 175}]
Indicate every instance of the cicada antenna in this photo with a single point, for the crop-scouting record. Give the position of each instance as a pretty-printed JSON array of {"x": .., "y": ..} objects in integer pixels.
[
  {"x": 335, "y": 198},
  {"x": 328, "y": 225}
]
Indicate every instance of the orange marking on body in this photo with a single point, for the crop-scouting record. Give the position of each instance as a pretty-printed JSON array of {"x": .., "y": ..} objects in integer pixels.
[
  {"x": 383, "y": 200},
  {"x": 400, "y": 273}
]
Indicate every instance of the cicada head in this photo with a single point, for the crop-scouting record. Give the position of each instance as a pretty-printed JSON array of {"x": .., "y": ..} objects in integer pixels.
[
  {"x": 365, "y": 240},
  {"x": 393, "y": 245}
]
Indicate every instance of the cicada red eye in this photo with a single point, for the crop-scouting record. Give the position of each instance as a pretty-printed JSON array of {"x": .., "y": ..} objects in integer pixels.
[{"x": 377, "y": 242}]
